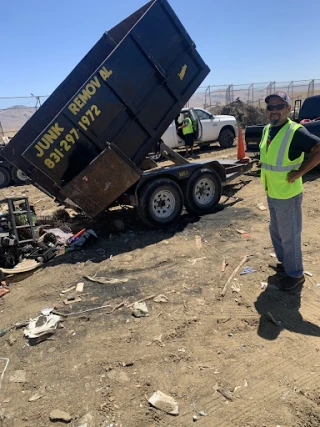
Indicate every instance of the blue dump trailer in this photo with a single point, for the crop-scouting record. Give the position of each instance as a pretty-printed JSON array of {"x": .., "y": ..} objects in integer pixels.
[{"x": 88, "y": 144}]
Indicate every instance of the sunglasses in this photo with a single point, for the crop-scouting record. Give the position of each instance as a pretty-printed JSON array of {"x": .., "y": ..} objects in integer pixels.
[{"x": 277, "y": 107}]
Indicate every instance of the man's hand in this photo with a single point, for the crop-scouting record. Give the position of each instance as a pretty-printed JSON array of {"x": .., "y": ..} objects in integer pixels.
[{"x": 293, "y": 176}]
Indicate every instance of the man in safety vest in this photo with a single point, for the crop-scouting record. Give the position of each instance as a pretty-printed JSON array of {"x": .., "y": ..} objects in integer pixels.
[
  {"x": 188, "y": 133},
  {"x": 282, "y": 149}
]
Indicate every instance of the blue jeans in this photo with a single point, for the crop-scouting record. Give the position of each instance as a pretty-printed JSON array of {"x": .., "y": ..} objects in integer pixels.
[{"x": 285, "y": 231}]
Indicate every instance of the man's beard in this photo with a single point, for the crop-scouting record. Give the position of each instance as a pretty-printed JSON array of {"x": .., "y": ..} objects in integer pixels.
[{"x": 275, "y": 120}]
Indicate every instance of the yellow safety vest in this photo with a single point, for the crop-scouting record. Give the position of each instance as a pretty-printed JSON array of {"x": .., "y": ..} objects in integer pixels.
[
  {"x": 275, "y": 163},
  {"x": 188, "y": 129}
]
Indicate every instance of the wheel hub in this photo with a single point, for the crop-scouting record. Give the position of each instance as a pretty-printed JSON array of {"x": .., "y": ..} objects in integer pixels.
[
  {"x": 163, "y": 204},
  {"x": 204, "y": 191}
]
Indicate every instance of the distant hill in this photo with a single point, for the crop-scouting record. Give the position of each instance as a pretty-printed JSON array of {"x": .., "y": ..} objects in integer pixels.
[{"x": 13, "y": 118}]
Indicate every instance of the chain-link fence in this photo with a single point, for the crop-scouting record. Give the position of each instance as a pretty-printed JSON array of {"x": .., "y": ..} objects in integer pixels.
[
  {"x": 253, "y": 93},
  {"x": 15, "y": 111}
]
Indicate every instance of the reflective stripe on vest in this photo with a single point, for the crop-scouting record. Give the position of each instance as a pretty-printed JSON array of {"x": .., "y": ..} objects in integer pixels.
[{"x": 280, "y": 168}]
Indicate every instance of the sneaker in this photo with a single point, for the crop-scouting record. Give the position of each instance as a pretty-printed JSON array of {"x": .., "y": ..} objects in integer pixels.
[
  {"x": 277, "y": 266},
  {"x": 290, "y": 283}
]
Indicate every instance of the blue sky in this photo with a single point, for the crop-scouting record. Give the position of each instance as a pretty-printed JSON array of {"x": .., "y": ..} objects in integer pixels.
[{"x": 242, "y": 41}]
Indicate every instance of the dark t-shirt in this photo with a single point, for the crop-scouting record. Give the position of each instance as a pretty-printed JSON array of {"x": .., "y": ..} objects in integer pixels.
[{"x": 302, "y": 142}]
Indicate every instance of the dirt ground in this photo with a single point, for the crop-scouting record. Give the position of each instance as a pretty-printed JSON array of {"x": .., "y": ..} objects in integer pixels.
[{"x": 223, "y": 356}]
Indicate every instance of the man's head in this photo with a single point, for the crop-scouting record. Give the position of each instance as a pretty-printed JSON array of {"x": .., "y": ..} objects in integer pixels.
[{"x": 278, "y": 108}]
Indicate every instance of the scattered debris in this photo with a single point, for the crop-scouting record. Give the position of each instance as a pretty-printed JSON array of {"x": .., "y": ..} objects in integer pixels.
[
  {"x": 272, "y": 319},
  {"x": 243, "y": 233},
  {"x": 273, "y": 255},
  {"x": 68, "y": 290},
  {"x": 71, "y": 300},
  {"x": 62, "y": 234},
  {"x": 247, "y": 270},
  {"x": 140, "y": 309},
  {"x": 161, "y": 298},
  {"x": 42, "y": 326},
  {"x": 308, "y": 273},
  {"x": 262, "y": 207},
  {"x": 4, "y": 370},
  {"x": 23, "y": 266},
  {"x": 58, "y": 415},
  {"x": 39, "y": 394},
  {"x": 79, "y": 287},
  {"x": 79, "y": 239},
  {"x": 105, "y": 280},
  {"x": 19, "y": 376},
  {"x": 263, "y": 285},
  {"x": 198, "y": 242},
  {"x": 194, "y": 418},
  {"x": 127, "y": 364},
  {"x": 202, "y": 413},
  {"x": 235, "y": 271},
  {"x": 143, "y": 299},
  {"x": 164, "y": 402},
  {"x": 225, "y": 393},
  {"x": 193, "y": 261},
  {"x": 224, "y": 265},
  {"x": 236, "y": 288}
]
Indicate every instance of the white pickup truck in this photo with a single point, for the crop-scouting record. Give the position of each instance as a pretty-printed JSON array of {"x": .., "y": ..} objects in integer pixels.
[{"x": 210, "y": 129}]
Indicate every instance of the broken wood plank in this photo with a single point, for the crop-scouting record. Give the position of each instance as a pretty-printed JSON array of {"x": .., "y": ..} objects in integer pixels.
[{"x": 235, "y": 271}]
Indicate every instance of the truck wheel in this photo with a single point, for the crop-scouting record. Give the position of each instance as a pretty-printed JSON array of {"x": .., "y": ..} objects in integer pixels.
[
  {"x": 226, "y": 138},
  {"x": 5, "y": 177},
  {"x": 202, "y": 192},
  {"x": 18, "y": 176},
  {"x": 160, "y": 202}
]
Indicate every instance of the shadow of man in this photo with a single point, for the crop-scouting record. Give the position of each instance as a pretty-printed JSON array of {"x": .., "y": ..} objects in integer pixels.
[{"x": 280, "y": 310}]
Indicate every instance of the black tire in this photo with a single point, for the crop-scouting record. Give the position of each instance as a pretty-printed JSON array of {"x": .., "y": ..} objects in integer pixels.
[
  {"x": 226, "y": 138},
  {"x": 202, "y": 192},
  {"x": 5, "y": 177},
  {"x": 160, "y": 202},
  {"x": 18, "y": 176}
]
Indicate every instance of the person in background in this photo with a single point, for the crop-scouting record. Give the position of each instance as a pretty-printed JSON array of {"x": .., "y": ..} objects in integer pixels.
[{"x": 188, "y": 133}]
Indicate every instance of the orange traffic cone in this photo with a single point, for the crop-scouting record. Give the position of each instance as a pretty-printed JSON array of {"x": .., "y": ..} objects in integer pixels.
[{"x": 241, "y": 152}]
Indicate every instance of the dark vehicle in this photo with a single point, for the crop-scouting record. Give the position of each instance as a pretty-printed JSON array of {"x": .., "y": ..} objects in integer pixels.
[
  {"x": 87, "y": 145},
  {"x": 307, "y": 114}
]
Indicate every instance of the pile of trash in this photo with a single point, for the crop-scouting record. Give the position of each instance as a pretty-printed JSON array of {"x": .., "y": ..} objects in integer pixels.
[
  {"x": 27, "y": 241},
  {"x": 245, "y": 114}
]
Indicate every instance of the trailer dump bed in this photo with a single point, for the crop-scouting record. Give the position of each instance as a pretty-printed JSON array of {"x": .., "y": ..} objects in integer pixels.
[{"x": 86, "y": 142}]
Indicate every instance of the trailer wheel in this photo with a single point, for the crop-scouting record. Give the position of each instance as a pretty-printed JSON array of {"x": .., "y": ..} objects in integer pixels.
[
  {"x": 226, "y": 138},
  {"x": 18, "y": 176},
  {"x": 160, "y": 202},
  {"x": 5, "y": 177},
  {"x": 202, "y": 192}
]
